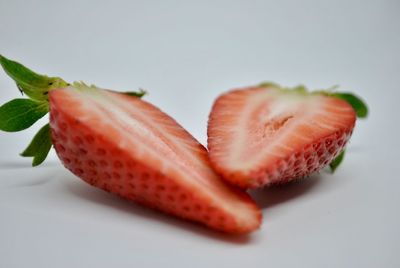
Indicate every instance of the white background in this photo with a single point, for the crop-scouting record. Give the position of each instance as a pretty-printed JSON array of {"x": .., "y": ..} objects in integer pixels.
[{"x": 185, "y": 53}]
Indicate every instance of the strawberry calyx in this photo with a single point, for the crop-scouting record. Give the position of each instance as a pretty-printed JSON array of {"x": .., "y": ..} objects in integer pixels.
[
  {"x": 359, "y": 106},
  {"x": 19, "y": 114},
  {"x": 35, "y": 86}
]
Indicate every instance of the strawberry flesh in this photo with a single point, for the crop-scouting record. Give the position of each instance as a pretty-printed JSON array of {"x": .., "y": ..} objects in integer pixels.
[
  {"x": 264, "y": 135},
  {"x": 129, "y": 147}
]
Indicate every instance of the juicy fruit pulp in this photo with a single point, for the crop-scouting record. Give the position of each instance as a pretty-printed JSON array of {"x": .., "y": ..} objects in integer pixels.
[
  {"x": 129, "y": 147},
  {"x": 264, "y": 135}
]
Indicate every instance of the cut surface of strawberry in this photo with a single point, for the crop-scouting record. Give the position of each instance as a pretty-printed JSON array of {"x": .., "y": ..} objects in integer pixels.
[
  {"x": 127, "y": 146},
  {"x": 267, "y": 134}
]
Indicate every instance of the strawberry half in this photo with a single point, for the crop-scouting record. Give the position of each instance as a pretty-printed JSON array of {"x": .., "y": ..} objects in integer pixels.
[
  {"x": 127, "y": 146},
  {"x": 268, "y": 134}
]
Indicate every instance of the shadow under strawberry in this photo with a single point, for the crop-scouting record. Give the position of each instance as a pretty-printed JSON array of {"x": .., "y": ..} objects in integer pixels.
[
  {"x": 89, "y": 194},
  {"x": 277, "y": 194}
]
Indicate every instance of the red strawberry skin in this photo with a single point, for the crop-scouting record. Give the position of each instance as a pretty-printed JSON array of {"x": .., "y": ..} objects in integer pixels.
[
  {"x": 260, "y": 135},
  {"x": 130, "y": 148}
]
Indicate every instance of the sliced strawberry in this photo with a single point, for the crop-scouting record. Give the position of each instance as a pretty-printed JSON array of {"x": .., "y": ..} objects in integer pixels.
[
  {"x": 266, "y": 134},
  {"x": 124, "y": 145},
  {"x": 129, "y": 147}
]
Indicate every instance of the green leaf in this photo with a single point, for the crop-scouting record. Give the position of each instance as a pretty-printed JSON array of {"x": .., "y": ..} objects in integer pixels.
[
  {"x": 40, "y": 146},
  {"x": 358, "y": 105},
  {"x": 269, "y": 84},
  {"x": 34, "y": 85},
  {"x": 300, "y": 89},
  {"x": 337, "y": 161},
  {"x": 138, "y": 94},
  {"x": 20, "y": 114}
]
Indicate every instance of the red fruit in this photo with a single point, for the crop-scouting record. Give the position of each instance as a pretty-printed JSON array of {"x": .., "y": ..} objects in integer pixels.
[
  {"x": 129, "y": 147},
  {"x": 126, "y": 146},
  {"x": 264, "y": 135}
]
